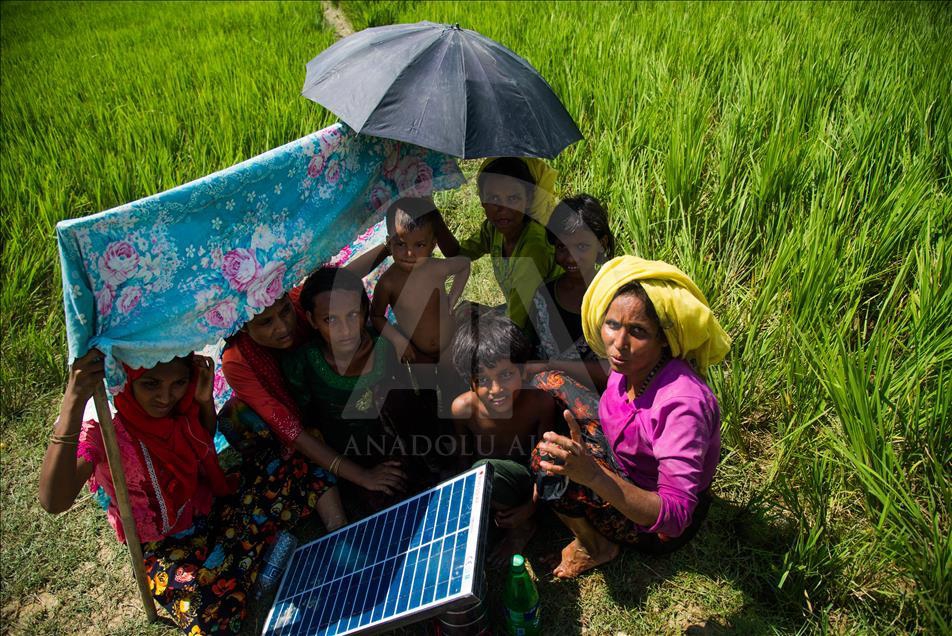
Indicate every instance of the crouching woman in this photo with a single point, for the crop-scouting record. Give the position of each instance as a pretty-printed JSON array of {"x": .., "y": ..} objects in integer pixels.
[
  {"x": 203, "y": 532},
  {"x": 641, "y": 474}
]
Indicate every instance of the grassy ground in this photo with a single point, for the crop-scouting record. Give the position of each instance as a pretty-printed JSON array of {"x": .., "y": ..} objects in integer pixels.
[{"x": 795, "y": 159}]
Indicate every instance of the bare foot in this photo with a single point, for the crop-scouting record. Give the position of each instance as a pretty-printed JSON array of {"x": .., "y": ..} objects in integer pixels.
[
  {"x": 576, "y": 559},
  {"x": 514, "y": 541}
]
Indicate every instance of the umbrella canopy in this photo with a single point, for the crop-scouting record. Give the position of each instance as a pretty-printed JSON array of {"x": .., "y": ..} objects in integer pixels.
[{"x": 441, "y": 87}]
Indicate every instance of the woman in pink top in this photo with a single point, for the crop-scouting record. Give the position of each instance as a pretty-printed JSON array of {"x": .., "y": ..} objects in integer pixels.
[{"x": 641, "y": 475}]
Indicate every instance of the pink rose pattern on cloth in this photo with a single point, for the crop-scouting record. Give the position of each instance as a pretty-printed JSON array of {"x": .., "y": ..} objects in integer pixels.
[
  {"x": 118, "y": 263},
  {"x": 240, "y": 268},
  {"x": 129, "y": 298},
  {"x": 104, "y": 299},
  {"x": 222, "y": 315},
  {"x": 268, "y": 286},
  {"x": 414, "y": 177},
  {"x": 178, "y": 270}
]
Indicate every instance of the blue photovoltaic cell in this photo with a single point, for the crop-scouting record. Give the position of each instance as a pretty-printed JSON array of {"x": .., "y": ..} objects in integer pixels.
[{"x": 417, "y": 555}]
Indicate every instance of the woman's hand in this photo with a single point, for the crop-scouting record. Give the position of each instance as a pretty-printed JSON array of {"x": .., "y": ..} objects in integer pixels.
[
  {"x": 574, "y": 460},
  {"x": 85, "y": 375},
  {"x": 204, "y": 387},
  {"x": 386, "y": 477},
  {"x": 204, "y": 367}
]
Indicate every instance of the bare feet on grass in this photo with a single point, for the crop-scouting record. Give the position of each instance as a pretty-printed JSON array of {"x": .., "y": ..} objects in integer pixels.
[
  {"x": 577, "y": 559},
  {"x": 513, "y": 542}
]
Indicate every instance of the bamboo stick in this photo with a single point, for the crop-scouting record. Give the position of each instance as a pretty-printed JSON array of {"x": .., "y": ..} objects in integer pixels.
[{"x": 122, "y": 499}]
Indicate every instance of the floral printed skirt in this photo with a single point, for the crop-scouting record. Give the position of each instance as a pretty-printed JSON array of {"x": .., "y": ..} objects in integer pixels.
[
  {"x": 203, "y": 576},
  {"x": 247, "y": 433},
  {"x": 574, "y": 500}
]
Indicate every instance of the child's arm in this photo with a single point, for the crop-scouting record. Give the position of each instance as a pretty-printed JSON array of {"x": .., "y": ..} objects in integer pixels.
[
  {"x": 548, "y": 413},
  {"x": 461, "y": 410},
  {"x": 444, "y": 238},
  {"x": 204, "y": 392},
  {"x": 458, "y": 267},
  {"x": 383, "y": 297},
  {"x": 518, "y": 515},
  {"x": 63, "y": 473},
  {"x": 442, "y": 268},
  {"x": 591, "y": 373},
  {"x": 368, "y": 260}
]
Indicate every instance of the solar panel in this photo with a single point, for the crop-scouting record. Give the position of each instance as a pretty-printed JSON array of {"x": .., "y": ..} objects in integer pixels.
[{"x": 411, "y": 561}]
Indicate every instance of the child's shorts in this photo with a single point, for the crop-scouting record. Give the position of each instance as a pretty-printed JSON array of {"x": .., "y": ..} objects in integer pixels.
[{"x": 512, "y": 482}]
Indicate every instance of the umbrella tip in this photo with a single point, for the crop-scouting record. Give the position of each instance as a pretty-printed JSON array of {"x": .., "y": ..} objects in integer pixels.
[{"x": 455, "y": 26}]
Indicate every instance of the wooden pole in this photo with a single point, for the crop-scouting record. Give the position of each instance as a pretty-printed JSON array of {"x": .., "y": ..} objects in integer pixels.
[{"x": 122, "y": 499}]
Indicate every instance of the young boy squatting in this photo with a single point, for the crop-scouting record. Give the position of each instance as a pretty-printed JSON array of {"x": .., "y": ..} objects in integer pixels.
[{"x": 499, "y": 420}]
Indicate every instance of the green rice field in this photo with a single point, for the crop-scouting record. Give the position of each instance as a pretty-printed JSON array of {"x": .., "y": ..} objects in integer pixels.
[{"x": 794, "y": 158}]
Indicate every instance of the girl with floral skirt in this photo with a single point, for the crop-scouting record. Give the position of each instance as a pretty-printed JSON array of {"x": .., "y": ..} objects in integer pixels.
[{"x": 203, "y": 532}]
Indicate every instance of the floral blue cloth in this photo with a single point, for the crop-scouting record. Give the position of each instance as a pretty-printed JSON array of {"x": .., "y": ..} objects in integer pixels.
[{"x": 168, "y": 274}]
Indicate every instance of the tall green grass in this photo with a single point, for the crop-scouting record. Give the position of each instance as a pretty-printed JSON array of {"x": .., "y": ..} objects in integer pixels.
[
  {"x": 104, "y": 103},
  {"x": 795, "y": 159}
]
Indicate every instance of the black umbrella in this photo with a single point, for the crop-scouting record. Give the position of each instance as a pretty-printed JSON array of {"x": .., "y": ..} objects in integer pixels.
[{"x": 440, "y": 87}]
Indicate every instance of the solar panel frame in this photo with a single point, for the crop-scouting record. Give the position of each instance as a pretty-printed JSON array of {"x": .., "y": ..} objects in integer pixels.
[{"x": 376, "y": 565}]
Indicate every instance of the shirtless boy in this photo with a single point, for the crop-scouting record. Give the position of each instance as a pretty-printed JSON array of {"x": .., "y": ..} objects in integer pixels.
[
  {"x": 415, "y": 285},
  {"x": 499, "y": 420}
]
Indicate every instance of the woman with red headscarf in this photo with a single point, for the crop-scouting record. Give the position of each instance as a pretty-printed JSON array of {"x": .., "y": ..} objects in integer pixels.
[{"x": 203, "y": 532}]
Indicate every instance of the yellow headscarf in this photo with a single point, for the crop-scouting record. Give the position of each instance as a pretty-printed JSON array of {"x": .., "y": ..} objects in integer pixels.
[
  {"x": 543, "y": 198},
  {"x": 692, "y": 331}
]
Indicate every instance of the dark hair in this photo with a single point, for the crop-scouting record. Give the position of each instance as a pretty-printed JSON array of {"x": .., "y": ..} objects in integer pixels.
[
  {"x": 332, "y": 279},
  {"x": 410, "y": 213},
  {"x": 583, "y": 211},
  {"x": 634, "y": 288},
  {"x": 486, "y": 339},
  {"x": 508, "y": 167}
]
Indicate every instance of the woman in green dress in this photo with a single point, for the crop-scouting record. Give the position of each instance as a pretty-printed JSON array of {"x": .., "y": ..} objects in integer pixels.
[{"x": 349, "y": 383}]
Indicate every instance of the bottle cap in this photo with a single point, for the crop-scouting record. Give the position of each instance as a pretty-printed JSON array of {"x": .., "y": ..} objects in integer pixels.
[{"x": 518, "y": 562}]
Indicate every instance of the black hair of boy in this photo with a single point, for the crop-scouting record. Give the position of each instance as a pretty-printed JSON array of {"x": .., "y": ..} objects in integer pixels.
[
  {"x": 332, "y": 279},
  {"x": 507, "y": 167},
  {"x": 581, "y": 211},
  {"x": 410, "y": 213},
  {"x": 486, "y": 339}
]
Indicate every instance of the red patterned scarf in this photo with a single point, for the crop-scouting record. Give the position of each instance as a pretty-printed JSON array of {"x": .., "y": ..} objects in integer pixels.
[{"x": 176, "y": 450}]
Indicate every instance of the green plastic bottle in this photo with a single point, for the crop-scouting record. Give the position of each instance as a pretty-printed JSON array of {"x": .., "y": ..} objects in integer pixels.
[{"x": 521, "y": 600}]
